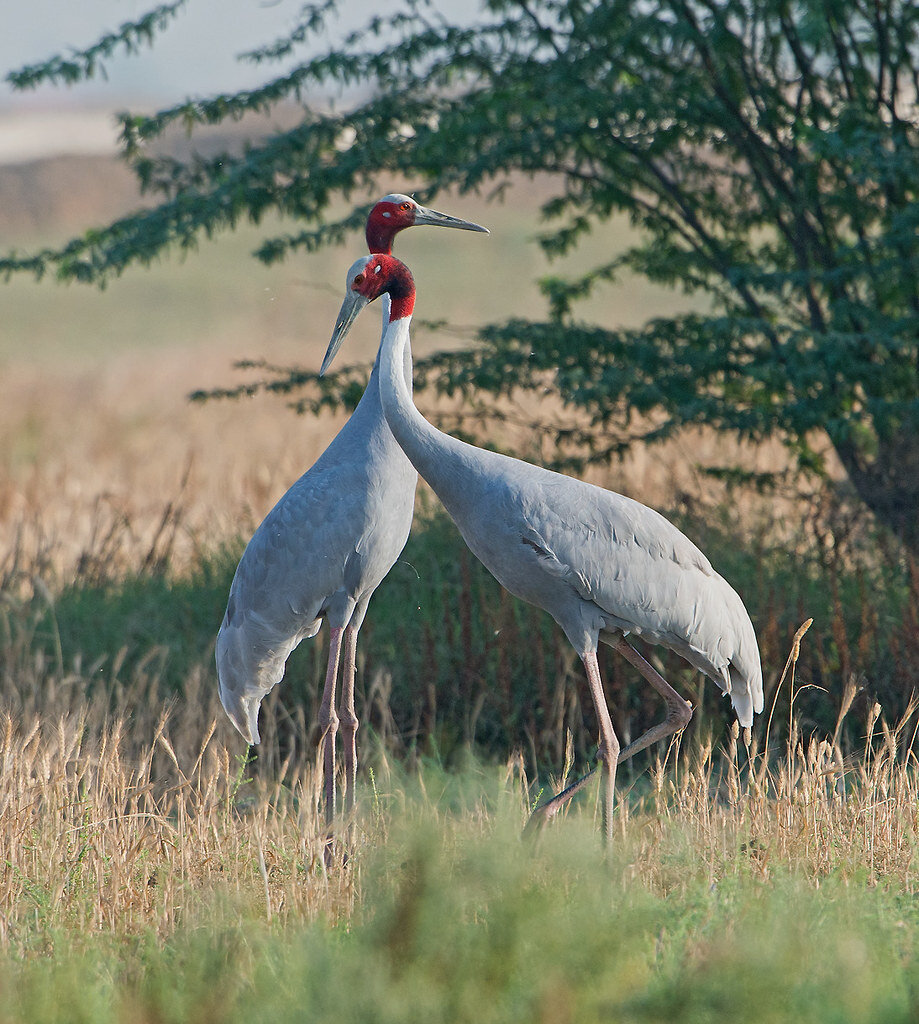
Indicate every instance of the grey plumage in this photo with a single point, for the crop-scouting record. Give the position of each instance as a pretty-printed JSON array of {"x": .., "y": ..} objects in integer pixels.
[
  {"x": 324, "y": 548},
  {"x": 603, "y": 565},
  {"x": 319, "y": 553},
  {"x": 600, "y": 563}
]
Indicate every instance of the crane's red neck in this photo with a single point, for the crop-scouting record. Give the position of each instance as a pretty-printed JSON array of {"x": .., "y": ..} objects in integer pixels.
[
  {"x": 402, "y": 303},
  {"x": 380, "y": 237},
  {"x": 401, "y": 287}
]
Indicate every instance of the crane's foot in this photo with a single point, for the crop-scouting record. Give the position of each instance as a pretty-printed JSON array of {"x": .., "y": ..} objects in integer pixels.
[
  {"x": 336, "y": 851},
  {"x": 549, "y": 808}
]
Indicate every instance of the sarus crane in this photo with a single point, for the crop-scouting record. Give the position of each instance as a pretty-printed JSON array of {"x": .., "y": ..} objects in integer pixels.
[
  {"x": 603, "y": 565},
  {"x": 323, "y": 549}
]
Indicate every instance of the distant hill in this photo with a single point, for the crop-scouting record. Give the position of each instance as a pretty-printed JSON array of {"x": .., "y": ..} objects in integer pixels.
[{"x": 54, "y": 197}]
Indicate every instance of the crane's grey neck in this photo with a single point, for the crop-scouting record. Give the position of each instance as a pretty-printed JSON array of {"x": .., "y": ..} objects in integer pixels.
[
  {"x": 374, "y": 382},
  {"x": 369, "y": 411},
  {"x": 427, "y": 448}
]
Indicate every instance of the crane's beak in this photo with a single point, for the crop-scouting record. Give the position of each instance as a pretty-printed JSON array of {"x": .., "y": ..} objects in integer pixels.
[
  {"x": 443, "y": 220},
  {"x": 349, "y": 312}
]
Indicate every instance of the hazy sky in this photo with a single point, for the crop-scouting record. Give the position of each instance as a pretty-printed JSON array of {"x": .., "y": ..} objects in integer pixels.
[{"x": 195, "y": 55}]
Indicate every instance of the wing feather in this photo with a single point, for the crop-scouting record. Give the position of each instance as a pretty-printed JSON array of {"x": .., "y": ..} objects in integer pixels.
[{"x": 636, "y": 566}]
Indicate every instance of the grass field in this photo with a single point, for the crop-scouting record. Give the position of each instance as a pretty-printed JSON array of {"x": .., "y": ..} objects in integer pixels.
[
  {"x": 148, "y": 877},
  {"x": 150, "y": 874}
]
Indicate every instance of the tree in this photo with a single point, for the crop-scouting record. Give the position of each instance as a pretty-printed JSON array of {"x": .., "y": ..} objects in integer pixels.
[{"x": 767, "y": 149}]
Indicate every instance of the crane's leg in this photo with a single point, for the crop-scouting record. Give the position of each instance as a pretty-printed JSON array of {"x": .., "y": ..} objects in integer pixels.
[
  {"x": 328, "y": 723},
  {"x": 609, "y": 743},
  {"x": 679, "y": 712},
  {"x": 347, "y": 715}
]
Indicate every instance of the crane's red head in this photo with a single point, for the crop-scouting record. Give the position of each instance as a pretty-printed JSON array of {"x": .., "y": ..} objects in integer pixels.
[
  {"x": 368, "y": 278},
  {"x": 384, "y": 273},
  {"x": 396, "y": 211}
]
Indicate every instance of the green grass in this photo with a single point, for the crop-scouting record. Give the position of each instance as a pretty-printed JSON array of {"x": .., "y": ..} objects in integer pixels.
[{"x": 459, "y": 921}]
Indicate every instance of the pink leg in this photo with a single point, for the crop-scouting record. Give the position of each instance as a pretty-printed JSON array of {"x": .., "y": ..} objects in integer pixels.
[
  {"x": 328, "y": 722},
  {"x": 348, "y": 716},
  {"x": 679, "y": 712},
  {"x": 609, "y": 744}
]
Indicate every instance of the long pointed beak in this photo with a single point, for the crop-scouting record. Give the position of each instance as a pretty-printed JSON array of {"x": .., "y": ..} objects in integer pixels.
[
  {"x": 443, "y": 220},
  {"x": 349, "y": 312}
]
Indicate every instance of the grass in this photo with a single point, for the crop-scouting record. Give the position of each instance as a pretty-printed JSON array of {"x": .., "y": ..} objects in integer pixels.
[
  {"x": 448, "y": 660},
  {"x": 150, "y": 872},
  {"x": 147, "y": 877}
]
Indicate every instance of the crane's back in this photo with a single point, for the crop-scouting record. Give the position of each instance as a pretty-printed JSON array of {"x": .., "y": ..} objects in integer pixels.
[{"x": 601, "y": 564}]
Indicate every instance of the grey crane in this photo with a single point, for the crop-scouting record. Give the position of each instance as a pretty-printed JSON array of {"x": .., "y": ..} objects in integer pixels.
[
  {"x": 602, "y": 565},
  {"x": 322, "y": 551}
]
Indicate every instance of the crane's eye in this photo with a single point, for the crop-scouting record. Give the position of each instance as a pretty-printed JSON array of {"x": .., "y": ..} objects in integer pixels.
[
  {"x": 405, "y": 207},
  {"x": 358, "y": 280}
]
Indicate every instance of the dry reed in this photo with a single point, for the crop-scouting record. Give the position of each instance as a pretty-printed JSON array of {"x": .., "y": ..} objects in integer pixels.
[
  {"x": 108, "y": 828},
  {"x": 128, "y": 812}
]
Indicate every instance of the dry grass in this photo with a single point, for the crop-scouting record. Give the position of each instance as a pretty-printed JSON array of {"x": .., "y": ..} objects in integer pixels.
[
  {"x": 124, "y": 813},
  {"x": 142, "y": 819},
  {"x": 112, "y": 448}
]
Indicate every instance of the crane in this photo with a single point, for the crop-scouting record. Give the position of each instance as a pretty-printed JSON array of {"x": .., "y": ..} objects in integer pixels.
[
  {"x": 603, "y": 565},
  {"x": 322, "y": 551}
]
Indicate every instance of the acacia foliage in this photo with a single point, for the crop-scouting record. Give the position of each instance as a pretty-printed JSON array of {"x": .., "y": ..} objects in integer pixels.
[{"x": 767, "y": 149}]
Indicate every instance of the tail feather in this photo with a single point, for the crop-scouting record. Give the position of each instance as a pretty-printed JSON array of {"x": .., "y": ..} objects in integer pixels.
[{"x": 747, "y": 693}]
